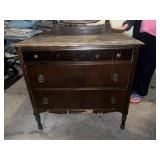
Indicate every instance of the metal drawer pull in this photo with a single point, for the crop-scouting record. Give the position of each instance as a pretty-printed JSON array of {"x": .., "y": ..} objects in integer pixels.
[
  {"x": 40, "y": 78},
  {"x": 115, "y": 77},
  {"x": 58, "y": 55},
  {"x": 113, "y": 100},
  {"x": 118, "y": 55},
  {"x": 97, "y": 56},
  {"x": 35, "y": 56},
  {"x": 45, "y": 100},
  {"x": 76, "y": 58}
]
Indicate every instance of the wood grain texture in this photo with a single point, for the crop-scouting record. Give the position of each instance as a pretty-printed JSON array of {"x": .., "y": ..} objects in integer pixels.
[
  {"x": 80, "y": 99},
  {"x": 80, "y": 75},
  {"x": 77, "y": 55},
  {"x": 79, "y": 40}
]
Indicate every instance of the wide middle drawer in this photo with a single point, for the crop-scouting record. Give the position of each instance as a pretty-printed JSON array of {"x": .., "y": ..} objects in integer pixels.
[{"x": 77, "y": 75}]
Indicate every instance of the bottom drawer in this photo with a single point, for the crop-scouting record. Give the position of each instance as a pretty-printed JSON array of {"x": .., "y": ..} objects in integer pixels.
[{"x": 79, "y": 99}]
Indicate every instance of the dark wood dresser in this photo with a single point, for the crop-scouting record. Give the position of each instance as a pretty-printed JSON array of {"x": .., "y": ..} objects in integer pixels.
[{"x": 66, "y": 74}]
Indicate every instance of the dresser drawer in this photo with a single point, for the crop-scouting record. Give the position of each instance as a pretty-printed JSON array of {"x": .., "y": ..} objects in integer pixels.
[
  {"x": 77, "y": 55},
  {"x": 77, "y": 75},
  {"x": 123, "y": 55},
  {"x": 79, "y": 99}
]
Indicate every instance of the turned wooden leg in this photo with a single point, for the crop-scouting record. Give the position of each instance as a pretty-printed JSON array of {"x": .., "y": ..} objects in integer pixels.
[
  {"x": 124, "y": 117},
  {"x": 38, "y": 119}
]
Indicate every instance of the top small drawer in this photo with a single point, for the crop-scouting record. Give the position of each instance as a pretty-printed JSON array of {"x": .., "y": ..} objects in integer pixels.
[{"x": 78, "y": 55}]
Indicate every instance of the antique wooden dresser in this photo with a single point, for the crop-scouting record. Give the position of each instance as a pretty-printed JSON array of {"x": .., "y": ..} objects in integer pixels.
[{"x": 66, "y": 74}]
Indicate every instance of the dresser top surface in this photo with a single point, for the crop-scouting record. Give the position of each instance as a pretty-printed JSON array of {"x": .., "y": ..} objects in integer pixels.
[{"x": 100, "y": 40}]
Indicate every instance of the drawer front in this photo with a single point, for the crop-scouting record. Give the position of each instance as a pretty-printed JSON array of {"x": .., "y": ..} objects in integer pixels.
[
  {"x": 79, "y": 99},
  {"x": 71, "y": 75},
  {"x": 123, "y": 55},
  {"x": 78, "y": 55}
]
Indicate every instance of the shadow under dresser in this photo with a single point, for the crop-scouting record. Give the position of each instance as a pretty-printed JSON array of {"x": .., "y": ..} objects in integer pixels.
[{"x": 66, "y": 74}]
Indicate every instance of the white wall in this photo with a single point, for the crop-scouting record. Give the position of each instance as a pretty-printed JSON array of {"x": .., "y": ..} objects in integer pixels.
[{"x": 116, "y": 23}]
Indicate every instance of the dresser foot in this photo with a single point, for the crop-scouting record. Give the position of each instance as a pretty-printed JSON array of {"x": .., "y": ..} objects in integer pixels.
[
  {"x": 38, "y": 119},
  {"x": 124, "y": 117}
]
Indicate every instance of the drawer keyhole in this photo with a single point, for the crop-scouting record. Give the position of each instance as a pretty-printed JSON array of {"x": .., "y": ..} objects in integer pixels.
[
  {"x": 40, "y": 78},
  {"x": 45, "y": 100},
  {"x": 115, "y": 77}
]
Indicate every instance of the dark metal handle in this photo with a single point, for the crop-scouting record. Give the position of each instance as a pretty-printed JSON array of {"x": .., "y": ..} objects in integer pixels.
[
  {"x": 113, "y": 100},
  {"x": 45, "y": 100},
  {"x": 76, "y": 58},
  {"x": 115, "y": 77},
  {"x": 40, "y": 78},
  {"x": 118, "y": 55},
  {"x": 35, "y": 56}
]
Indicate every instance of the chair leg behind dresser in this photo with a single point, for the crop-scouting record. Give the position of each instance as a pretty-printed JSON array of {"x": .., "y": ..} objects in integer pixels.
[{"x": 38, "y": 119}]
